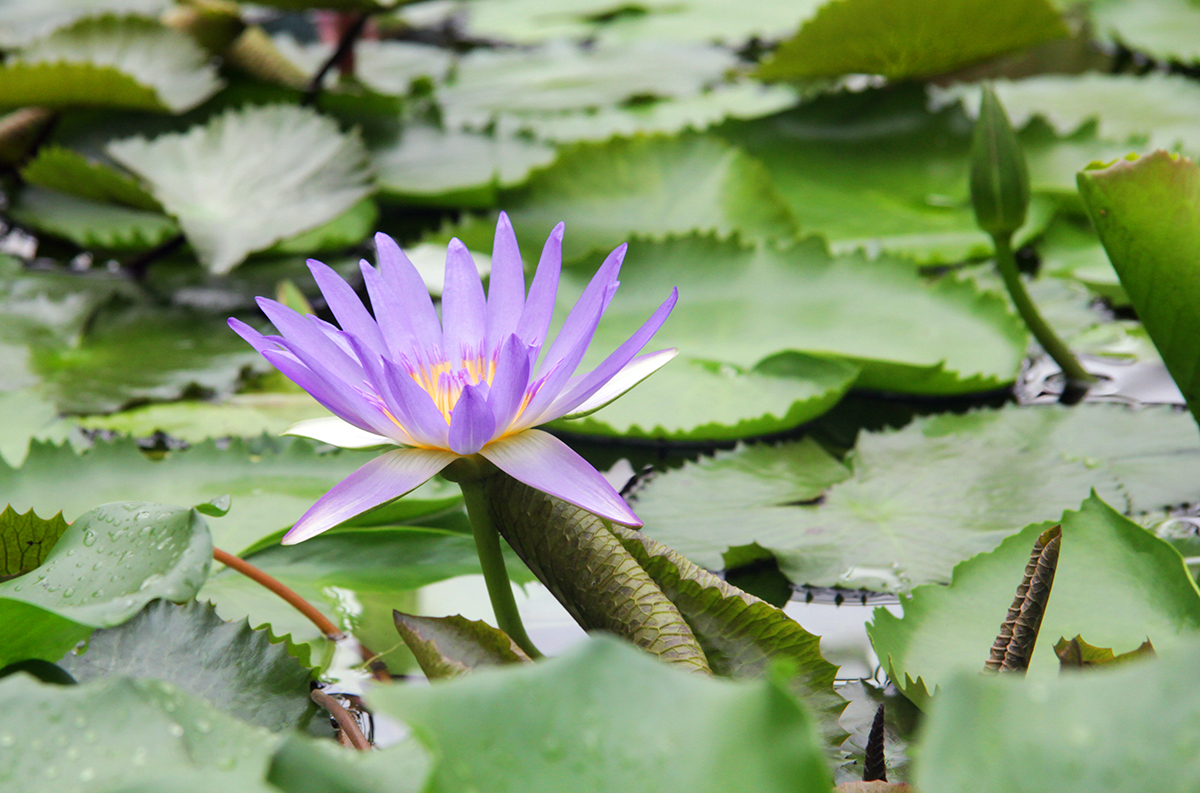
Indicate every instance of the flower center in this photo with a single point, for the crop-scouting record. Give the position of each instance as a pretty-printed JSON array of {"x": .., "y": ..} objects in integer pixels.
[{"x": 445, "y": 380}]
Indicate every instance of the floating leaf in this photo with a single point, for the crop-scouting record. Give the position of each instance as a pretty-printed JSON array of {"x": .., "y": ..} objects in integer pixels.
[
  {"x": 66, "y": 171},
  {"x": 351, "y": 227},
  {"x": 912, "y": 38},
  {"x": 714, "y": 401},
  {"x": 923, "y": 498},
  {"x": 1070, "y": 249},
  {"x": 605, "y": 717},
  {"x": 233, "y": 668},
  {"x": 121, "y": 734},
  {"x": 649, "y": 186},
  {"x": 251, "y": 177},
  {"x": 1078, "y": 654},
  {"x": 90, "y": 224},
  {"x": 1143, "y": 112},
  {"x": 740, "y": 305},
  {"x": 386, "y": 67},
  {"x": 877, "y": 171},
  {"x": 1147, "y": 212},
  {"x": 111, "y": 61},
  {"x": 105, "y": 567},
  {"x": 651, "y": 20},
  {"x": 1166, "y": 30},
  {"x": 27, "y": 416},
  {"x": 271, "y": 482},
  {"x": 242, "y": 415},
  {"x": 1105, "y": 558},
  {"x": 447, "y": 168},
  {"x": 453, "y": 646},
  {"x": 1108, "y": 730},
  {"x": 26, "y": 540}
]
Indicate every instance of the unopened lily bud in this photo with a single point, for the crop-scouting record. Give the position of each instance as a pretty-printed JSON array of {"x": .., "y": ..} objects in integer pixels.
[{"x": 999, "y": 175}]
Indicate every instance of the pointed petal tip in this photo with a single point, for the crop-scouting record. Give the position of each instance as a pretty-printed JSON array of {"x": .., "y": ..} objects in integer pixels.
[
  {"x": 503, "y": 220},
  {"x": 456, "y": 244}
]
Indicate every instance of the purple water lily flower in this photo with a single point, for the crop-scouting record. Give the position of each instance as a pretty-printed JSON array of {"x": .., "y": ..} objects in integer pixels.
[{"x": 471, "y": 384}]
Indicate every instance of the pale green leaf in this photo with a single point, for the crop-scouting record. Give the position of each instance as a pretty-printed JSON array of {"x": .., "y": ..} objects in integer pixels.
[
  {"x": 1166, "y": 30},
  {"x": 90, "y": 224},
  {"x": 249, "y": 178},
  {"x": 66, "y": 171}
]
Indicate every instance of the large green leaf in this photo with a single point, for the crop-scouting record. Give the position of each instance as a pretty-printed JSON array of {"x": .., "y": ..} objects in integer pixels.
[
  {"x": 1143, "y": 112},
  {"x": 653, "y": 20},
  {"x": 130, "y": 62},
  {"x": 1070, "y": 249},
  {"x": 251, "y": 177},
  {"x": 21, "y": 23},
  {"x": 26, "y": 540},
  {"x": 448, "y": 168},
  {"x": 649, "y": 186},
  {"x": 607, "y": 717},
  {"x": 739, "y": 305},
  {"x": 92, "y": 224},
  {"x": 1147, "y": 212},
  {"x": 564, "y": 92},
  {"x": 272, "y": 482},
  {"x": 355, "y": 577},
  {"x": 876, "y": 171},
  {"x": 110, "y": 563},
  {"x": 694, "y": 399},
  {"x": 303, "y": 765},
  {"x": 66, "y": 171},
  {"x": 120, "y": 734},
  {"x": 27, "y": 415},
  {"x": 242, "y": 415},
  {"x": 233, "y": 668},
  {"x": 1123, "y": 730},
  {"x": 1167, "y": 30},
  {"x": 143, "y": 354},
  {"x": 1145, "y": 588},
  {"x": 918, "y": 500},
  {"x": 902, "y": 39}
]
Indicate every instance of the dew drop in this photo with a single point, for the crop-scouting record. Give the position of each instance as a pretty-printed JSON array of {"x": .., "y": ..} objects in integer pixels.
[
  {"x": 175, "y": 729},
  {"x": 68, "y": 592},
  {"x": 89, "y": 538}
]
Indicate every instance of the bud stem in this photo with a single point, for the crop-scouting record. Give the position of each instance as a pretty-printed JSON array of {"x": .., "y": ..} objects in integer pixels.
[
  {"x": 491, "y": 559},
  {"x": 1006, "y": 263}
]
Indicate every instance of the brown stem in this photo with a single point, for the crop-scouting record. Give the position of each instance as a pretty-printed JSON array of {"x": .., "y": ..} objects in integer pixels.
[
  {"x": 328, "y": 629},
  {"x": 343, "y": 54},
  {"x": 346, "y": 722}
]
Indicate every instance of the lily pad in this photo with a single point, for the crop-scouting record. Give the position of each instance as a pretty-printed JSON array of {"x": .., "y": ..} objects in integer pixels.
[
  {"x": 876, "y": 171},
  {"x": 235, "y": 669},
  {"x": 272, "y": 482},
  {"x": 1147, "y": 212},
  {"x": 1143, "y": 112},
  {"x": 26, "y": 540},
  {"x": 92, "y": 224},
  {"x": 111, "y": 61},
  {"x": 249, "y": 178},
  {"x": 692, "y": 399},
  {"x": 914, "y": 502},
  {"x": 118, "y": 734},
  {"x": 110, "y": 563},
  {"x": 386, "y": 67},
  {"x": 739, "y": 305},
  {"x": 910, "y": 38},
  {"x": 1166, "y": 30},
  {"x": 29, "y": 416},
  {"x": 1070, "y": 249},
  {"x": 1146, "y": 589},
  {"x": 606, "y": 717},
  {"x": 650, "y": 186},
  {"x": 22, "y": 23},
  {"x": 531, "y": 21},
  {"x": 447, "y": 168},
  {"x": 242, "y": 415}
]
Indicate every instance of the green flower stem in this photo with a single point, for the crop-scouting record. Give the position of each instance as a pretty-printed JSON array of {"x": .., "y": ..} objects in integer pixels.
[
  {"x": 1006, "y": 262},
  {"x": 491, "y": 559}
]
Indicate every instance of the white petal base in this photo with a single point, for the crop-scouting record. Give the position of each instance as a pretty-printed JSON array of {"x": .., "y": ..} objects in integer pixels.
[{"x": 336, "y": 432}]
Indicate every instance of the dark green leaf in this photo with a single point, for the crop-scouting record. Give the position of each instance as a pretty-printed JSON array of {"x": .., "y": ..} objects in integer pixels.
[
  {"x": 1078, "y": 654},
  {"x": 606, "y": 717},
  {"x": 66, "y": 171},
  {"x": 90, "y": 224},
  {"x": 235, "y": 669},
  {"x": 910, "y": 38},
  {"x": 303, "y": 765}
]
